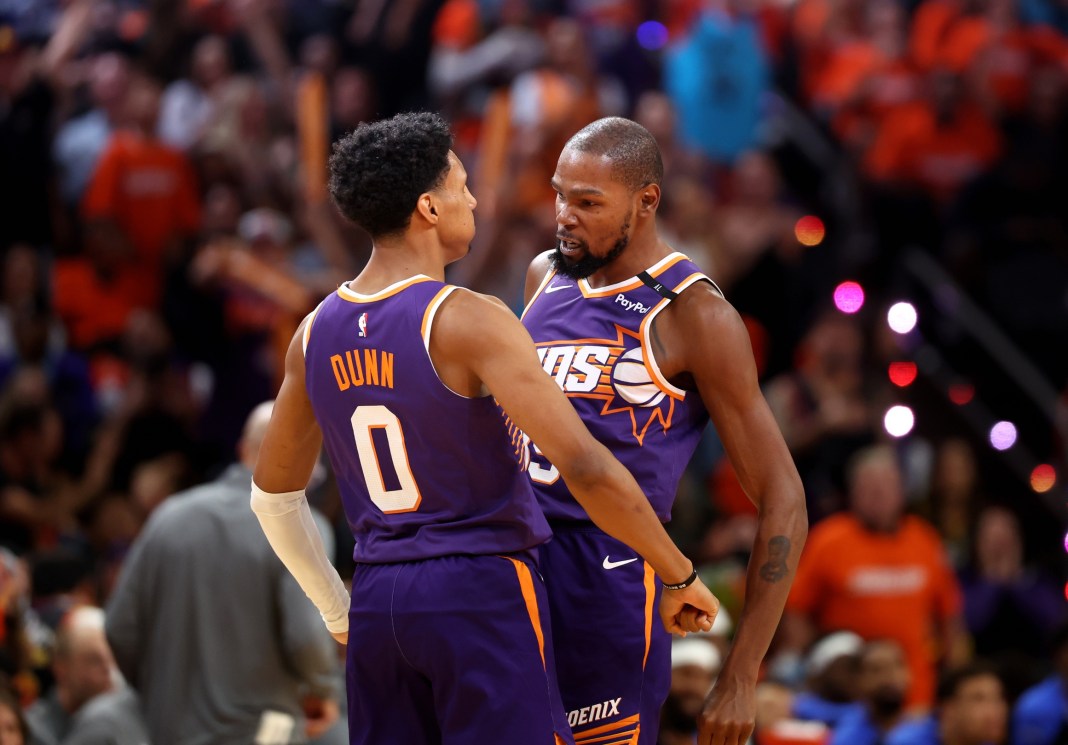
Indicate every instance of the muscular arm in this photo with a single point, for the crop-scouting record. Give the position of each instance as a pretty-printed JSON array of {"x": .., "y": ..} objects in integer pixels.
[
  {"x": 287, "y": 456},
  {"x": 701, "y": 337},
  {"x": 481, "y": 335},
  {"x": 293, "y": 439}
]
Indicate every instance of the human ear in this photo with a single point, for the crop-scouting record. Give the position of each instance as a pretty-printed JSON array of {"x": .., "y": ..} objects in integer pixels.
[
  {"x": 425, "y": 207},
  {"x": 649, "y": 198}
]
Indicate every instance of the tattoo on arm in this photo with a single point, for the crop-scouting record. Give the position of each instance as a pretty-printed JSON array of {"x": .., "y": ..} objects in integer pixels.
[{"x": 775, "y": 567}]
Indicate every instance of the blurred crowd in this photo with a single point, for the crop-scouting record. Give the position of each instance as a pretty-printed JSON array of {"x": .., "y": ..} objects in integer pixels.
[{"x": 164, "y": 226}]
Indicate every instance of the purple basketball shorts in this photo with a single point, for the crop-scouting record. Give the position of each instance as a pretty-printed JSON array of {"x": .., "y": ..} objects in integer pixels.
[
  {"x": 452, "y": 650},
  {"x": 613, "y": 656}
]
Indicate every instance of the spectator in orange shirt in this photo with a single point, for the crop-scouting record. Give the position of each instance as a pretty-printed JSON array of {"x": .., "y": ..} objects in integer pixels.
[
  {"x": 937, "y": 145},
  {"x": 998, "y": 55},
  {"x": 878, "y": 573},
  {"x": 931, "y": 23},
  {"x": 819, "y": 27},
  {"x": 142, "y": 199},
  {"x": 868, "y": 77}
]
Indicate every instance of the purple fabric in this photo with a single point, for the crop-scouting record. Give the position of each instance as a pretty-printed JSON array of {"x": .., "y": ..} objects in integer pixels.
[
  {"x": 589, "y": 345},
  {"x": 453, "y": 462},
  {"x": 445, "y": 651},
  {"x": 599, "y": 619}
]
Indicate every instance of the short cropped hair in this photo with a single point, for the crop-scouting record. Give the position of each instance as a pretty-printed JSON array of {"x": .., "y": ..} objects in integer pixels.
[
  {"x": 378, "y": 170},
  {"x": 629, "y": 146},
  {"x": 953, "y": 679},
  {"x": 867, "y": 456}
]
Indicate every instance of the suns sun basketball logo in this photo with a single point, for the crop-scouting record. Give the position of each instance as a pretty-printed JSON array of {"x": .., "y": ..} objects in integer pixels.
[
  {"x": 613, "y": 371},
  {"x": 631, "y": 379}
]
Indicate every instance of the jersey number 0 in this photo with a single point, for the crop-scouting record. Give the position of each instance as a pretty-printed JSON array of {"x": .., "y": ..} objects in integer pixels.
[{"x": 405, "y": 497}]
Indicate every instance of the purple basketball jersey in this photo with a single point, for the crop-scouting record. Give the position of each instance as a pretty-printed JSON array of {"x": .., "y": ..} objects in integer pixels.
[
  {"x": 423, "y": 472},
  {"x": 595, "y": 344}
]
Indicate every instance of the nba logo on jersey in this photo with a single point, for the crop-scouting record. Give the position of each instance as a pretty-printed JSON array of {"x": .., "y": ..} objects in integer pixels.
[{"x": 363, "y": 325}]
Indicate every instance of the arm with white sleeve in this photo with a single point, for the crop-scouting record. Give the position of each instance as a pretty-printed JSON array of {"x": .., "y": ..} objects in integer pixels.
[
  {"x": 287, "y": 522},
  {"x": 290, "y": 448}
]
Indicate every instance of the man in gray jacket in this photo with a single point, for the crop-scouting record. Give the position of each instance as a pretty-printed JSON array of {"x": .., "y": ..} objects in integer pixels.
[{"x": 212, "y": 631}]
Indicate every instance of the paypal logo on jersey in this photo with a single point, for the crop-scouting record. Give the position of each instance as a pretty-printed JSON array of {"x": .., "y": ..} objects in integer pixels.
[{"x": 632, "y": 305}]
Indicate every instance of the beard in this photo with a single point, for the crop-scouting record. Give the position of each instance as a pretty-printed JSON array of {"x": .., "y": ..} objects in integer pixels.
[
  {"x": 588, "y": 264},
  {"x": 887, "y": 701}
]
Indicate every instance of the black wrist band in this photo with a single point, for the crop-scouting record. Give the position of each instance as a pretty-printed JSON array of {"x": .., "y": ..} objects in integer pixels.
[{"x": 684, "y": 584}]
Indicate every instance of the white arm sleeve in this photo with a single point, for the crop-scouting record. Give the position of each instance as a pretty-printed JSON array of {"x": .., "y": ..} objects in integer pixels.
[{"x": 287, "y": 521}]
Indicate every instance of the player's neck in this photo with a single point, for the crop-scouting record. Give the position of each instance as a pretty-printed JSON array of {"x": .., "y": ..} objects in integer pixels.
[
  {"x": 394, "y": 261},
  {"x": 641, "y": 253}
]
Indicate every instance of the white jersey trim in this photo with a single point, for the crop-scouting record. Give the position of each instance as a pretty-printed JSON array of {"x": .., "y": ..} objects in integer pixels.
[
  {"x": 352, "y": 296},
  {"x": 308, "y": 327},
  {"x": 647, "y": 342},
  {"x": 431, "y": 311},
  {"x": 428, "y": 325},
  {"x": 631, "y": 283},
  {"x": 549, "y": 274}
]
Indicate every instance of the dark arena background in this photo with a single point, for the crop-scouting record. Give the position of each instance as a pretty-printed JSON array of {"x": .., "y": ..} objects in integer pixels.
[{"x": 880, "y": 188}]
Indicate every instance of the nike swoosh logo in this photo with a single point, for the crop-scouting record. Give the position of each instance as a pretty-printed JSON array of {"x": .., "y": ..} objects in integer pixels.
[
  {"x": 609, "y": 564},
  {"x": 551, "y": 288}
]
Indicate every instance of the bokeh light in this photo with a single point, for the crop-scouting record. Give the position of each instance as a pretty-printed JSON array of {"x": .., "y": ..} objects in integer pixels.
[
  {"x": 849, "y": 297},
  {"x": 901, "y": 317},
  {"x": 1043, "y": 477},
  {"x": 902, "y": 373},
  {"x": 899, "y": 421},
  {"x": 652, "y": 35},
  {"x": 961, "y": 393},
  {"x": 1003, "y": 435},
  {"x": 1066, "y": 590},
  {"x": 810, "y": 231}
]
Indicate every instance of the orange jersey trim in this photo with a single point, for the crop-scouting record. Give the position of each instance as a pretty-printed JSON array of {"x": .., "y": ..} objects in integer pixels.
[
  {"x": 630, "y": 284},
  {"x": 608, "y": 395},
  {"x": 346, "y": 293},
  {"x": 610, "y": 734},
  {"x": 308, "y": 327},
  {"x": 645, "y": 330},
  {"x": 430, "y": 312},
  {"x": 545, "y": 281}
]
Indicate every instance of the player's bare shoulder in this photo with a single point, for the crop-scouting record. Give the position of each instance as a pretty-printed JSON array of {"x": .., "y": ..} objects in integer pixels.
[
  {"x": 539, "y": 267},
  {"x": 698, "y": 323},
  {"x": 698, "y": 310},
  {"x": 465, "y": 317}
]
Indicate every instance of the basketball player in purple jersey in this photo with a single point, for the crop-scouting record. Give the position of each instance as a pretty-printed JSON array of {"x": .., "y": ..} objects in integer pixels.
[
  {"x": 403, "y": 379},
  {"x": 646, "y": 349}
]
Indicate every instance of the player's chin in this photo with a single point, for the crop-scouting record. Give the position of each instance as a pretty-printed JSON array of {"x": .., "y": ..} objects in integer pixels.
[{"x": 459, "y": 252}]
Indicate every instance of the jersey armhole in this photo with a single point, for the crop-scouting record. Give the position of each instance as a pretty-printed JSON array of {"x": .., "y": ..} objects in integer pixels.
[
  {"x": 428, "y": 324},
  {"x": 544, "y": 281},
  {"x": 647, "y": 326},
  {"x": 308, "y": 328},
  {"x": 430, "y": 312}
]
